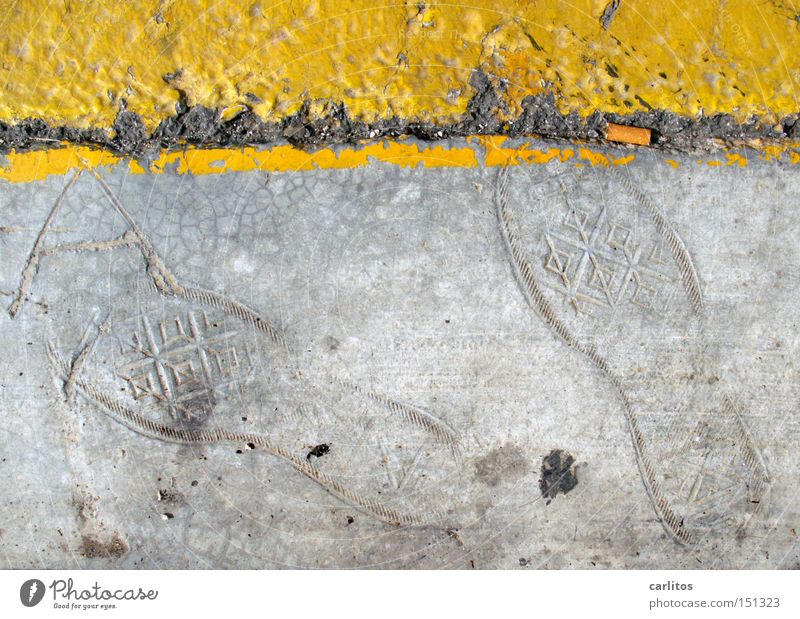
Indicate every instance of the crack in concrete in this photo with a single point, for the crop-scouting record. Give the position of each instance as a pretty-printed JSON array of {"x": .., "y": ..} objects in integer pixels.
[{"x": 202, "y": 126}]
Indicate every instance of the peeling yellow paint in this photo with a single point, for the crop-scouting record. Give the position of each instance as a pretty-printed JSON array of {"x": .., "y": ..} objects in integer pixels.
[
  {"x": 489, "y": 151},
  {"x": 594, "y": 158},
  {"x": 288, "y": 158},
  {"x": 780, "y": 152},
  {"x": 735, "y": 159},
  {"x": 480, "y": 150},
  {"x": 37, "y": 165},
  {"x": 75, "y": 63},
  {"x": 499, "y": 155}
]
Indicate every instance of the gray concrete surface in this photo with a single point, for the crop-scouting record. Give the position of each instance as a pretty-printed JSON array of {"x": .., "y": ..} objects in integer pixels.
[{"x": 546, "y": 367}]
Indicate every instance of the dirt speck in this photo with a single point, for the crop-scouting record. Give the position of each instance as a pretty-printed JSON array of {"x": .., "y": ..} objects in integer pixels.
[
  {"x": 318, "y": 451},
  {"x": 92, "y": 547},
  {"x": 86, "y": 505},
  {"x": 169, "y": 495},
  {"x": 453, "y": 534}
]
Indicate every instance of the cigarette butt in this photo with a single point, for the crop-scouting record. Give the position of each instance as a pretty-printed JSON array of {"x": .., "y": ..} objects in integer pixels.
[{"x": 630, "y": 135}]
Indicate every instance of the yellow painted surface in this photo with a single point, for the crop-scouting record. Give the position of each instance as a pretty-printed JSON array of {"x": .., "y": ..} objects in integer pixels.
[
  {"x": 491, "y": 151},
  {"x": 38, "y": 165},
  {"x": 479, "y": 150},
  {"x": 73, "y": 62}
]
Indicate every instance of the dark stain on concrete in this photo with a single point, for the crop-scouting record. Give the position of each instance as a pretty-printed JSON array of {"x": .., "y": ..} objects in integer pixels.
[
  {"x": 318, "y": 451},
  {"x": 197, "y": 405},
  {"x": 201, "y": 126},
  {"x": 95, "y": 542},
  {"x": 558, "y": 474},
  {"x": 170, "y": 495},
  {"x": 505, "y": 463},
  {"x": 332, "y": 343},
  {"x": 92, "y": 547}
]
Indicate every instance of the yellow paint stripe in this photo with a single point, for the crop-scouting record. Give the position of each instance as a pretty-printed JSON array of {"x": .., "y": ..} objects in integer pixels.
[
  {"x": 75, "y": 63},
  {"x": 478, "y": 151},
  {"x": 38, "y": 165}
]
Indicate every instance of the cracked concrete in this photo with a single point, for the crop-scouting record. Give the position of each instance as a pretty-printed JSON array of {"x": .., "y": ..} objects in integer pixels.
[
  {"x": 309, "y": 129},
  {"x": 550, "y": 365}
]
